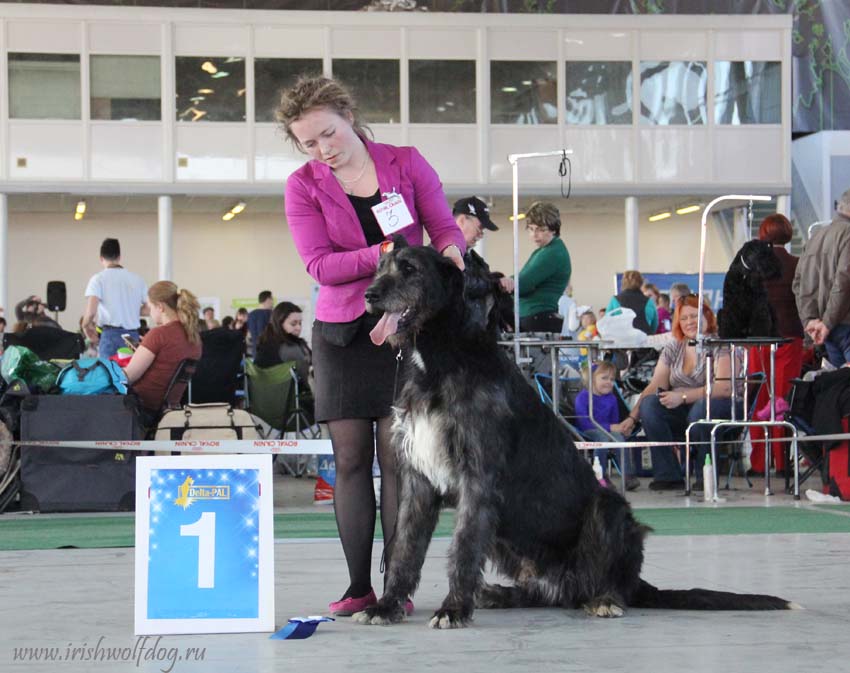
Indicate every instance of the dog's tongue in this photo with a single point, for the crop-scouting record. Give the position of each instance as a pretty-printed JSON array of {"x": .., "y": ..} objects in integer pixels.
[{"x": 387, "y": 325}]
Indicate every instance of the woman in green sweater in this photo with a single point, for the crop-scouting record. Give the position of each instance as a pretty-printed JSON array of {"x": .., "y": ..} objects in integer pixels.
[{"x": 545, "y": 275}]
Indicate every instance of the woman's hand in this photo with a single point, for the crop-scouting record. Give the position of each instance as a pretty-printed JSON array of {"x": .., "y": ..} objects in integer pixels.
[
  {"x": 625, "y": 426},
  {"x": 453, "y": 253},
  {"x": 671, "y": 399},
  {"x": 507, "y": 283}
]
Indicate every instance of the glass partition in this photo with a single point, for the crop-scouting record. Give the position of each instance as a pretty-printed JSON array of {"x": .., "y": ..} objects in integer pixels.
[
  {"x": 523, "y": 92},
  {"x": 210, "y": 89},
  {"x": 442, "y": 92},
  {"x": 125, "y": 88},
  {"x": 272, "y": 75},
  {"x": 376, "y": 87},
  {"x": 44, "y": 86},
  {"x": 673, "y": 93},
  {"x": 747, "y": 92}
]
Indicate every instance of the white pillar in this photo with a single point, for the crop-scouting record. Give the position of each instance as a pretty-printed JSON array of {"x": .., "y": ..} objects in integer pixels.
[
  {"x": 632, "y": 258},
  {"x": 4, "y": 260},
  {"x": 166, "y": 226},
  {"x": 783, "y": 205}
]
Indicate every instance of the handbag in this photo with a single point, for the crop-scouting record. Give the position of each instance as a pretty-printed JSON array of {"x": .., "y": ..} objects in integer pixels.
[
  {"x": 92, "y": 376},
  {"x": 207, "y": 421}
]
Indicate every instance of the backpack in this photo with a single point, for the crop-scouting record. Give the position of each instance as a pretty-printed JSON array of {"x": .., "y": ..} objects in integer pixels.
[{"x": 92, "y": 376}]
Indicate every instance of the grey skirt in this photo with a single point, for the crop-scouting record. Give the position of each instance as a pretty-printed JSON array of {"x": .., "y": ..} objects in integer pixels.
[{"x": 354, "y": 378}]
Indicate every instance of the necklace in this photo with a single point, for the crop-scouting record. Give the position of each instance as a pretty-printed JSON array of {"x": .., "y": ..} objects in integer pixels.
[{"x": 345, "y": 183}]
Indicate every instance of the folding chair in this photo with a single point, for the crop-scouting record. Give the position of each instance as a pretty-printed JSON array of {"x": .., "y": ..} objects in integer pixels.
[{"x": 217, "y": 375}]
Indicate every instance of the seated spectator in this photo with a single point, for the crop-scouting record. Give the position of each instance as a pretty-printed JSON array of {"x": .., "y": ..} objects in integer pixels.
[
  {"x": 281, "y": 340},
  {"x": 31, "y": 311},
  {"x": 675, "y": 397},
  {"x": 258, "y": 319},
  {"x": 606, "y": 413},
  {"x": 587, "y": 327},
  {"x": 173, "y": 339},
  {"x": 646, "y": 317},
  {"x": 665, "y": 320},
  {"x": 678, "y": 290}
]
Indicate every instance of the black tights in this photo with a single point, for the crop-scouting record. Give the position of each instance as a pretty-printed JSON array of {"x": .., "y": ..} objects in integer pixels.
[{"x": 354, "y": 444}]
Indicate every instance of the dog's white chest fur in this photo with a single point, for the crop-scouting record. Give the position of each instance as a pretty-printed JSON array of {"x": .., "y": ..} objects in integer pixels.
[{"x": 423, "y": 446}]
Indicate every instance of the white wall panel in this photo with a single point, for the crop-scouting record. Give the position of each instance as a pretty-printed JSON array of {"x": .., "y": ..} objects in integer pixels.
[
  {"x": 122, "y": 151},
  {"x": 451, "y": 150},
  {"x": 365, "y": 43},
  {"x": 749, "y": 155},
  {"x": 215, "y": 152},
  {"x": 48, "y": 36},
  {"x": 274, "y": 157},
  {"x": 601, "y": 154},
  {"x": 673, "y": 45},
  {"x": 673, "y": 155},
  {"x": 53, "y": 150},
  {"x": 598, "y": 45},
  {"x": 291, "y": 41},
  {"x": 435, "y": 43},
  {"x": 210, "y": 40},
  {"x": 522, "y": 45},
  {"x": 393, "y": 134},
  {"x": 517, "y": 140},
  {"x": 748, "y": 45},
  {"x": 125, "y": 38}
]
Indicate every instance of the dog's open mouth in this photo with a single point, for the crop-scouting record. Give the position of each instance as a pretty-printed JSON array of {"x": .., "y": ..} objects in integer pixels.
[{"x": 388, "y": 325}]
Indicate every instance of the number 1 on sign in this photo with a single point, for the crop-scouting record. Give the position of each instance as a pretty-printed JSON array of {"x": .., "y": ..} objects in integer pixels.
[{"x": 204, "y": 530}]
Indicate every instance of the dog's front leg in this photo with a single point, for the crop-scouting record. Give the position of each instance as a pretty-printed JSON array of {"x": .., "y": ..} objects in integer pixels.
[
  {"x": 419, "y": 509},
  {"x": 474, "y": 530}
]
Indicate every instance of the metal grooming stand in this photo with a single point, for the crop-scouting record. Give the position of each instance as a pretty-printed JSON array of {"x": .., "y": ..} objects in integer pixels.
[
  {"x": 514, "y": 160},
  {"x": 555, "y": 346},
  {"x": 702, "y": 341}
]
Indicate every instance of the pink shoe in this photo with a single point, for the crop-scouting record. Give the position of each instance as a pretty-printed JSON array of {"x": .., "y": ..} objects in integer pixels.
[
  {"x": 348, "y": 606},
  {"x": 763, "y": 414},
  {"x": 408, "y": 607}
]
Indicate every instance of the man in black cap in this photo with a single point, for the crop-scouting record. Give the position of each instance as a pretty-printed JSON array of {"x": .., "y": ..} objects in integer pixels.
[{"x": 473, "y": 217}]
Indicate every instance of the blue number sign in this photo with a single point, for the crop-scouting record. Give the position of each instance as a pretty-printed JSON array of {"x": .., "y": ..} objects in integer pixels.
[{"x": 204, "y": 544}]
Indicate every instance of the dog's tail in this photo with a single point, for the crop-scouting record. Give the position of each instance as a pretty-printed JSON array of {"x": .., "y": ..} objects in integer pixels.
[{"x": 648, "y": 596}]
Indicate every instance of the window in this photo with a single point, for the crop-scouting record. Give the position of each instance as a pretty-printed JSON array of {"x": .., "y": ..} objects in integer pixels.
[
  {"x": 598, "y": 92},
  {"x": 44, "y": 86},
  {"x": 523, "y": 92},
  {"x": 210, "y": 89},
  {"x": 125, "y": 87},
  {"x": 273, "y": 75},
  {"x": 673, "y": 92},
  {"x": 375, "y": 85},
  {"x": 747, "y": 92},
  {"x": 442, "y": 92}
]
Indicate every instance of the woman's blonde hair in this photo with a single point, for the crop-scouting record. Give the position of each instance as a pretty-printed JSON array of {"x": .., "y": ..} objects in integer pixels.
[
  {"x": 632, "y": 280},
  {"x": 599, "y": 367},
  {"x": 182, "y": 302},
  {"x": 312, "y": 93}
]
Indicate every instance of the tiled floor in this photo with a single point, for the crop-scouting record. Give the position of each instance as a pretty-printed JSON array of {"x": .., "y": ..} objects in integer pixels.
[{"x": 72, "y": 598}]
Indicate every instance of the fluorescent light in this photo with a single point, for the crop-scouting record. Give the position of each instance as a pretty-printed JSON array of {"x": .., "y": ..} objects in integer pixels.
[
  {"x": 527, "y": 82},
  {"x": 206, "y": 92},
  {"x": 228, "y": 216},
  {"x": 660, "y": 216},
  {"x": 684, "y": 210},
  {"x": 220, "y": 74},
  {"x": 521, "y": 216},
  {"x": 207, "y": 66},
  {"x": 509, "y": 89},
  {"x": 81, "y": 208},
  {"x": 238, "y": 208},
  {"x": 78, "y": 216}
]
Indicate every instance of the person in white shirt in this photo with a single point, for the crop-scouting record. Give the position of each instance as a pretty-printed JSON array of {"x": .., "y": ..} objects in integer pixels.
[{"x": 115, "y": 298}]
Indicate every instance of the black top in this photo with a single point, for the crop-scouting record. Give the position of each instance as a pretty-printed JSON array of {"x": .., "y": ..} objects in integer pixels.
[{"x": 363, "y": 208}]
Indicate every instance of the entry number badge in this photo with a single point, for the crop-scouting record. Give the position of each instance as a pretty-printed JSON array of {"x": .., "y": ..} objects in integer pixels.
[{"x": 392, "y": 214}]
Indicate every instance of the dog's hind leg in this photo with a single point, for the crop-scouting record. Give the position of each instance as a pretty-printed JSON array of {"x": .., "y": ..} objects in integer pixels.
[
  {"x": 498, "y": 596},
  {"x": 474, "y": 531},
  {"x": 419, "y": 509}
]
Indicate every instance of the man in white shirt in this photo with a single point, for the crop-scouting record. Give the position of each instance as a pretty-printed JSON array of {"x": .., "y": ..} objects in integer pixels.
[{"x": 115, "y": 298}]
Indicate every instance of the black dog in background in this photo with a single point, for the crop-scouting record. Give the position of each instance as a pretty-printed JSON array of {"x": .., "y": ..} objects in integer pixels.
[
  {"x": 470, "y": 430},
  {"x": 746, "y": 311}
]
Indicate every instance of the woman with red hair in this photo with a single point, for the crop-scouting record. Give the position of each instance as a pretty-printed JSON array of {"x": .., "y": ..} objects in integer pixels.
[
  {"x": 777, "y": 230},
  {"x": 675, "y": 397}
]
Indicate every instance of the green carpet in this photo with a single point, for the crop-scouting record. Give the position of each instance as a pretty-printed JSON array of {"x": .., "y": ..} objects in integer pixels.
[{"x": 49, "y": 532}]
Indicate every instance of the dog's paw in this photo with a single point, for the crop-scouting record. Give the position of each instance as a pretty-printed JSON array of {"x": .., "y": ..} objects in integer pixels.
[
  {"x": 603, "y": 608},
  {"x": 449, "y": 619},
  {"x": 379, "y": 615}
]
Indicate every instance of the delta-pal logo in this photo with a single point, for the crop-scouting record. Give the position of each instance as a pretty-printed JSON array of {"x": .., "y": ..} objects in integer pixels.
[{"x": 188, "y": 492}]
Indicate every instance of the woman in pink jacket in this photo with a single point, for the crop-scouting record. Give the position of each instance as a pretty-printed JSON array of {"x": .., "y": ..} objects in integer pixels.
[{"x": 330, "y": 204}]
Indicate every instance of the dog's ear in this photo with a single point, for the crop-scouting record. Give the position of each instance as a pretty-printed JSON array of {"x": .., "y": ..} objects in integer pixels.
[{"x": 399, "y": 242}]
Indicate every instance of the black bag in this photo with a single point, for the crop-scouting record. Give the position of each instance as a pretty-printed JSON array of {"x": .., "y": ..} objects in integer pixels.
[{"x": 76, "y": 480}]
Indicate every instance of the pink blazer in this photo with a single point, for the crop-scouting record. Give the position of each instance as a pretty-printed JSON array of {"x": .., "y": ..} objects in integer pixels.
[{"x": 330, "y": 239}]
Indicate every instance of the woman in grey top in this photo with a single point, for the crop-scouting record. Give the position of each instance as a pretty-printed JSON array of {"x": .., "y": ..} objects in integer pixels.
[{"x": 675, "y": 397}]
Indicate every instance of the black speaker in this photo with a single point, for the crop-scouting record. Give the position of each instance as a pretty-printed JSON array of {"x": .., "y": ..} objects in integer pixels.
[{"x": 56, "y": 295}]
